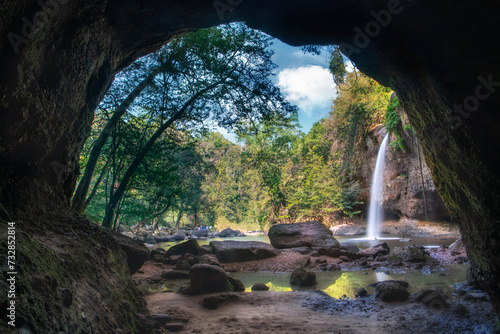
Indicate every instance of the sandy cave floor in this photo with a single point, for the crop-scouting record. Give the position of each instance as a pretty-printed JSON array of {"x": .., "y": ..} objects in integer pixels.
[
  {"x": 316, "y": 312},
  {"x": 308, "y": 311}
]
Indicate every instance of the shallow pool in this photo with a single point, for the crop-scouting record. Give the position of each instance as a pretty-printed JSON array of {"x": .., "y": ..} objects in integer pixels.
[{"x": 341, "y": 283}]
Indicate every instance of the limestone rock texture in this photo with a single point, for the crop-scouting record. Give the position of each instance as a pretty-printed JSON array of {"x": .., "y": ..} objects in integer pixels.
[
  {"x": 406, "y": 177},
  {"x": 57, "y": 61}
]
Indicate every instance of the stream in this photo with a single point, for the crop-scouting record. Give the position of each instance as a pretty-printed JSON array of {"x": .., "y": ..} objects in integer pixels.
[{"x": 340, "y": 284}]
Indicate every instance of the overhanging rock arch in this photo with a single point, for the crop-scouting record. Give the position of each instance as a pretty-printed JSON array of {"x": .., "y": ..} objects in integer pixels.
[{"x": 57, "y": 58}]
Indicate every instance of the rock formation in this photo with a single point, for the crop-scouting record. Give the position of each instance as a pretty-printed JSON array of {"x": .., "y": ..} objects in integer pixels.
[
  {"x": 59, "y": 57},
  {"x": 406, "y": 176}
]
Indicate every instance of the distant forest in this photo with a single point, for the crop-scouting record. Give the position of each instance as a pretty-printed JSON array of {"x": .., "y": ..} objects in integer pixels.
[{"x": 153, "y": 157}]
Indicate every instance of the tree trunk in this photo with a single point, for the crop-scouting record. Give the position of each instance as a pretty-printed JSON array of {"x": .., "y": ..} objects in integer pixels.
[
  {"x": 78, "y": 201},
  {"x": 117, "y": 195}
]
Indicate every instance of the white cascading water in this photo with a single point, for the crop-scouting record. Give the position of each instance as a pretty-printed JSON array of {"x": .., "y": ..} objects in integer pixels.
[{"x": 375, "y": 213}]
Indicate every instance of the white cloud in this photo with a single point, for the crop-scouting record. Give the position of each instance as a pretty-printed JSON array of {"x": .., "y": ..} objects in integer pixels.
[{"x": 308, "y": 87}]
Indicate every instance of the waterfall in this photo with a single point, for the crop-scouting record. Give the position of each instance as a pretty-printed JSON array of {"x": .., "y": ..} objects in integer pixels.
[{"x": 375, "y": 214}]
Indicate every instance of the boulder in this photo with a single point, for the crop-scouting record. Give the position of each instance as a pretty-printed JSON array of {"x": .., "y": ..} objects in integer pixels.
[
  {"x": 335, "y": 252},
  {"x": 179, "y": 236},
  {"x": 161, "y": 236},
  {"x": 236, "y": 284},
  {"x": 305, "y": 234},
  {"x": 391, "y": 291},
  {"x": 135, "y": 251},
  {"x": 131, "y": 235},
  {"x": 347, "y": 229},
  {"x": 302, "y": 277},
  {"x": 205, "y": 259},
  {"x": 380, "y": 249},
  {"x": 190, "y": 246},
  {"x": 394, "y": 260},
  {"x": 362, "y": 293},
  {"x": 349, "y": 246},
  {"x": 155, "y": 252},
  {"x": 241, "y": 251},
  {"x": 200, "y": 233},
  {"x": 206, "y": 278},
  {"x": 476, "y": 297},
  {"x": 182, "y": 265},
  {"x": 259, "y": 287},
  {"x": 414, "y": 254},
  {"x": 457, "y": 247},
  {"x": 434, "y": 297},
  {"x": 229, "y": 233},
  {"x": 205, "y": 249}
]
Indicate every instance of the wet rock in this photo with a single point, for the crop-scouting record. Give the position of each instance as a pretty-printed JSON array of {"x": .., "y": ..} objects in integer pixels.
[
  {"x": 414, "y": 254},
  {"x": 190, "y": 246},
  {"x": 427, "y": 270},
  {"x": 457, "y": 248},
  {"x": 304, "y": 262},
  {"x": 402, "y": 283},
  {"x": 135, "y": 251},
  {"x": 175, "y": 274},
  {"x": 349, "y": 246},
  {"x": 229, "y": 233},
  {"x": 394, "y": 260},
  {"x": 182, "y": 265},
  {"x": 302, "y": 277},
  {"x": 214, "y": 302},
  {"x": 161, "y": 236},
  {"x": 362, "y": 293},
  {"x": 200, "y": 233},
  {"x": 463, "y": 287},
  {"x": 391, "y": 291},
  {"x": 179, "y": 236},
  {"x": 205, "y": 259},
  {"x": 305, "y": 234},
  {"x": 208, "y": 279},
  {"x": 333, "y": 267},
  {"x": 131, "y": 235},
  {"x": 236, "y": 284},
  {"x": 172, "y": 259},
  {"x": 434, "y": 297},
  {"x": 205, "y": 249},
  {"x": 347, "y": 229},
  {"x": 461, "y": 311},
  {"x": 259, "y": 287},
  {"x": 241, "y": 251},
  {"x": 156, "y": 251},
  {"x": 335, "y": 252},
  {"x": 157, "y": 258},
  {"x": 476, "y": 297},
  {"x": 373, "y": 252}
]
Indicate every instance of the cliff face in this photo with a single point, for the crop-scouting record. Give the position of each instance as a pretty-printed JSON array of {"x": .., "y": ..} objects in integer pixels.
[{"x": 405, "y": 180}]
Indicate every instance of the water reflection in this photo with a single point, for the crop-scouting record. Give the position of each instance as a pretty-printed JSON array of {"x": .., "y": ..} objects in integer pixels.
[{"x": 339, "y": 284}]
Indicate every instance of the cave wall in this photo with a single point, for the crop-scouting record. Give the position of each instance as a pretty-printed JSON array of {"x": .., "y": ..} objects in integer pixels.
[{"x": 440, "y": 57}]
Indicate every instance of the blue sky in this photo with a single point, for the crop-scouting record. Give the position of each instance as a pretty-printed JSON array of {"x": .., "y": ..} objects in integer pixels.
[{"x": 304, "y": 80}]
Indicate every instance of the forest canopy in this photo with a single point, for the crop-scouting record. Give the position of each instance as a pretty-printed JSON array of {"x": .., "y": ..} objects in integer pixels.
[{"x": 153, "y": 157}]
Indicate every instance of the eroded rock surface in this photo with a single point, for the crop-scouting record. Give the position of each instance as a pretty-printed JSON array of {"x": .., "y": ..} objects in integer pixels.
[{"x": 305, "y": 234}]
